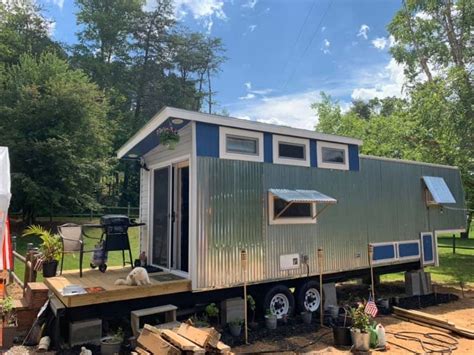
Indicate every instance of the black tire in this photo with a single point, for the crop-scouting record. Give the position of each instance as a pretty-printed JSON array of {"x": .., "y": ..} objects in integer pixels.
[
  {"x": 301, "y": 296},
  {"x": 282, "y": 291},
  {"x": 102, "y": 267}
]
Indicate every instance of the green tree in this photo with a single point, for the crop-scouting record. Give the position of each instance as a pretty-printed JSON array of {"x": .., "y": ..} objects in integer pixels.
[{"x": 58, "y": 137}]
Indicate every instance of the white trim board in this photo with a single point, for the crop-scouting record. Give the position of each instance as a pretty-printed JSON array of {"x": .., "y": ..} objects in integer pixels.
[
  {"x": 168, "y": 112},
  {"x": 329, "y": 165},
  {"x": 276, "y": 140},
  {"x": 251, "y": 135}
]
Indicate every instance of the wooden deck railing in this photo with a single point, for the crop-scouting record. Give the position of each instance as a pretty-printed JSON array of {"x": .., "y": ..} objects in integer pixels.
[{"x": 29, "y": 260}]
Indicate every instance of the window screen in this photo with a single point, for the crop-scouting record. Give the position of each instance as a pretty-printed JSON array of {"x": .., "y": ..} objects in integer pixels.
[
  {"x": 242, "y": 145},
  {"x": 333, "y": 155},
  {"x": 293, "y": 151},
  {"x": 295, "y": 210}
]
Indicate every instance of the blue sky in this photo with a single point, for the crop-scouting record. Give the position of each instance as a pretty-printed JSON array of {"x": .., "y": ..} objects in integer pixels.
[{"x": 282, "y": 53}]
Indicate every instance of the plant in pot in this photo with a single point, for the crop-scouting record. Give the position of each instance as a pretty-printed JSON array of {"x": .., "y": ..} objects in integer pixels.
[
  {"x": 9, "y": 322},
  {"x": 270, "y": 320},
  {"x": 235, "y": 327},
  {"x": 50, "y": 248},
  {"x": 341, "y": 330},
  {"x": 212, "y": 313},
  {"x": 252, "y": 306},
  {"x": 360, "y": 329},
  {"x": 169, "y": 137},
  {"x": 111, "y": 344}
]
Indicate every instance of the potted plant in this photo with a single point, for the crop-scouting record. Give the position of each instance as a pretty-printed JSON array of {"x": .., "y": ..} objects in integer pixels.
[
  {"x": 252, "y": 306},
  {"x": 212, "y": 312},
  {"x": 111, "y": 344},
  {"x": 270, "y": 320},
  {"x": 341, "y": 330},
  {"x": 169, "y": 137},
  {"x": 235, "y": 327},
  {"x": 306, "y": 316},
  {"x": 50, "y": 248},
  {"x": 360, "y": 329},
  {"x": 9, "y": 322}
]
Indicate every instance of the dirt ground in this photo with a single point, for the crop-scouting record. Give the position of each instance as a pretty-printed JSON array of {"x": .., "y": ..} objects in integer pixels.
[{"x": 460, "y": 312}]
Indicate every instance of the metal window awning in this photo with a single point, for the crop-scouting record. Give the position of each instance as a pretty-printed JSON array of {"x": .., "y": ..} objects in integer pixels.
[
  {"x": 438, "y": 189},
  {"x": 302, "y": 196}
]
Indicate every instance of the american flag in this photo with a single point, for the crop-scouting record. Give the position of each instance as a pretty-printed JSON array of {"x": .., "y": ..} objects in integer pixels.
[{"x": 371, "y": 308}]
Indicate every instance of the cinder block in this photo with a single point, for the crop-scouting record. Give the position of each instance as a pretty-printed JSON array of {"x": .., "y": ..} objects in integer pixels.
[
  {"x": 329, "y": 295},
  {"x": 232, "y": 309},
  {"x": 412, "y": 283},
  {"x": 85, "y": 332}
]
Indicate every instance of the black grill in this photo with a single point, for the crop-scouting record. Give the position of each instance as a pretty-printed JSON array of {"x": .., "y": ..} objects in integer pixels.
[{"x": 115, "y": 223}]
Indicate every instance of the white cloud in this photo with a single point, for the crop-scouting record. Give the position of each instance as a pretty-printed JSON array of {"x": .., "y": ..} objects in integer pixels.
[
  {"x": 51, "y": 28},
  {"x": 252, "y": 28},
  {"x": 391, "y": 41},
  {"x": 386, "y": 82},
  {"x": 250, "y": 4},
  {"x": 202, "y": 10},
  {"x": 380, "y": 43},
  {"x": 288, "y": 110},
  {"x": 249, "y": 96},
  {"x": 364, "y": 29},
  {"x": 323, "y": 28},
  {"x": 58, "y": 3},
  {"x": 326, "y": 45},
  {"x": 248, "y": 85}
]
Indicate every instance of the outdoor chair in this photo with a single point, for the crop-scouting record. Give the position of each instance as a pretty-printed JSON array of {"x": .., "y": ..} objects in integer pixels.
[{"x": 72, "y": 238}]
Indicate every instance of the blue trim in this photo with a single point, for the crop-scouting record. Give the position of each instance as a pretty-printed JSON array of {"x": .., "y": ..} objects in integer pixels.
[
  {"x": 382, "y": 252},
  {"x": 207, "y": 140},
  {"x": 313, "y": 153},
  {"x": 353, "y": 157},
  {"x": 408, "y": 249},
  {"x": 428, "y": 255},
  {"x": 267, "y": 147}
]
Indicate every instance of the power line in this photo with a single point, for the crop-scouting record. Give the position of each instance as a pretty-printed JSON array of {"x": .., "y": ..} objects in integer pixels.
[
  {"x": 309, "y": 44},
  {"x": 299, "y": 36}
]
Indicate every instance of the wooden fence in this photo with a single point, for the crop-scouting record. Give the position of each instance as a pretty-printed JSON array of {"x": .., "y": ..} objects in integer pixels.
[
  {"x": 29, "y": 260},
  {"x": 454, "y": 246}
]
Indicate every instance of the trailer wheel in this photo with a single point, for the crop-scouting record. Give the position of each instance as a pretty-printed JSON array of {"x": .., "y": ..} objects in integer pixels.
[
  {"x": 308, "y": 297},
  {"x": 279, "y": 300}
]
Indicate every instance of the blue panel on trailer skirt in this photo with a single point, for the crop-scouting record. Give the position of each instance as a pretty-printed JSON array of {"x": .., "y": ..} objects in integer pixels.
[
  {"x": 428, "y": 255},
  {"x": 408, "y": 249},
  {"x": 382, "y": 252}
]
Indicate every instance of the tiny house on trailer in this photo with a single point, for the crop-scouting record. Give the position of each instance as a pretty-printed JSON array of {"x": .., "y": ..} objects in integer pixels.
[{"x": 280, "y": 193}]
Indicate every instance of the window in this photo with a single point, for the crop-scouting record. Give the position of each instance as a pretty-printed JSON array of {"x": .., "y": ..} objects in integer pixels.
[
  {"x": 240, "y": 144},
  {"x": 289, "y": 150},
  {"x": 282, "y": 212},
  {"x": 333, "y": 155}
]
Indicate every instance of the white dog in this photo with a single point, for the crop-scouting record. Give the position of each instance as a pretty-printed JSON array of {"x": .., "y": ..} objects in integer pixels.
[{"x": 137, "y": 277}]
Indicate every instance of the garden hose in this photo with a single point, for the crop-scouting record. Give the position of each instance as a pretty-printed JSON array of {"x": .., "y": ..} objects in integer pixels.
[{"x": 440, "y": 343}]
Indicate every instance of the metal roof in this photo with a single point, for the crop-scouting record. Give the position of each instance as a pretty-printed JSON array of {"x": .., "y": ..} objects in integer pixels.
[
  {"x": 302, "y": 196},
  {"x": 439, "y": 189}
]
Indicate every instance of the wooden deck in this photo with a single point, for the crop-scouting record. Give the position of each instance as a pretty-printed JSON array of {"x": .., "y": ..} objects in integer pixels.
[{"x": 106, "y": 291}]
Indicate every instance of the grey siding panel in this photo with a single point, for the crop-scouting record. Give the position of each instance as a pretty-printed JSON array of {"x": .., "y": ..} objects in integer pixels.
[{"x": 381, "y": 202}]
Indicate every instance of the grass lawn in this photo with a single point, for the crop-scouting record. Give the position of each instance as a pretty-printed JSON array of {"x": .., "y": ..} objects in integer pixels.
[
  {"x": 452, "y": 267},
  {"x": 71, "y": 261}
]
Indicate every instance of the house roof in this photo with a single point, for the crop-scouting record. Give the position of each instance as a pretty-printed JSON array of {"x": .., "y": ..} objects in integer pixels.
[{"x": 166, "y": 113}]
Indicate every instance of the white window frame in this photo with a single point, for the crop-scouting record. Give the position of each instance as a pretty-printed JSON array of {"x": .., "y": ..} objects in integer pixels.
[
  {"x": 226, "y": 131},
  {"x": 320, "y": 145},
  {"x": 293, "y": 141},
  {"x": 410, "y": 257},
  {"x": 289, "y": 220}
]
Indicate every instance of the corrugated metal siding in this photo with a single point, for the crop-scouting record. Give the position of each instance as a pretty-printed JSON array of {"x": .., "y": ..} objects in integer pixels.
[{"x": 381, "y": 202}]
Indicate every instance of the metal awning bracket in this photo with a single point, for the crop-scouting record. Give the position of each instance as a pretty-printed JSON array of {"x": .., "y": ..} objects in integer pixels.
[
  {"x": 283, "y": 210},
  {"x": 320, "y": 211}
]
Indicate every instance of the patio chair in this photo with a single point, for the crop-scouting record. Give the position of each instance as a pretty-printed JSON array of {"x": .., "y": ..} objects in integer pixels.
[{"x": 72, "y": 238}]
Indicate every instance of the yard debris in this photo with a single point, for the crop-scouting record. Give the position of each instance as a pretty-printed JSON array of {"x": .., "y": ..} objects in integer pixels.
[
  {"x": 422, "y": 317},
  {"x": 183, "y": 338}
]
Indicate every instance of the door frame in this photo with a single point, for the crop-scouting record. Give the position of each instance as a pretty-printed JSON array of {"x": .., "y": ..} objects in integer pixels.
[{"x": 151, "y": 183}]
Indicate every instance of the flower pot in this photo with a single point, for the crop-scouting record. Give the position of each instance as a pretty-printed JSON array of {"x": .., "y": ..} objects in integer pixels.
[
  {"x": 9, "y": 334},
  {"x": 171, "y": 145},
  {"x": 342, "y": 336},
  {"x": 271, "y": 321},
  {"x": 360, "y": 340},
  {"x": 235, "y": 329},
  {"x": 110, "y": 346},
  {"x": 50, "y": 268},
  {"x": 306, "y": 317}
]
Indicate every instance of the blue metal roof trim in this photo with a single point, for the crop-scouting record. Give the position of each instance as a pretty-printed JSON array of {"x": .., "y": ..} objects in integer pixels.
[
  {"x": 439, "y": 189},
  {"x": 302, "y": 196}
]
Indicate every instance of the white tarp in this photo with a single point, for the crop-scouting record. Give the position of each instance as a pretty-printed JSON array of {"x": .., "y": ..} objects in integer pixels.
[{"x": 5, "y": 194}]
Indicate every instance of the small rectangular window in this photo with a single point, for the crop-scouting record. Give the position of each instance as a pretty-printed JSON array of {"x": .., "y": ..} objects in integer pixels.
[
  {"x": 240, "y": 144},
  {"x": 293, "y": 151},
  {"x": 235, "y": 144},
  {"x": 283, "y": 212},
  {"x": 290, "y": 150},
  {"x": 332, "y": 155}
]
